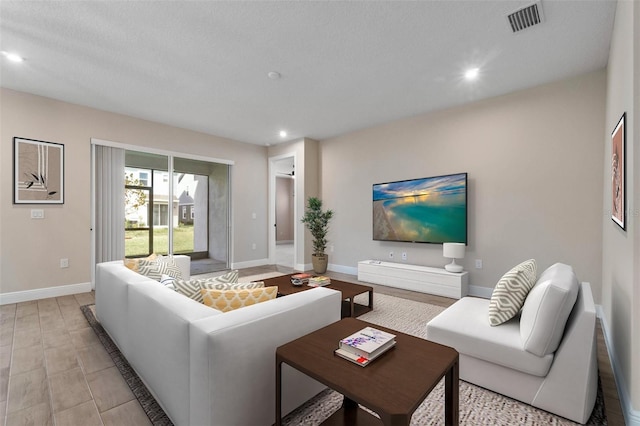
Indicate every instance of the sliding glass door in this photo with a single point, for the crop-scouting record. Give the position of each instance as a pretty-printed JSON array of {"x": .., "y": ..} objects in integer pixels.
[{"x": 188, "y": 212}]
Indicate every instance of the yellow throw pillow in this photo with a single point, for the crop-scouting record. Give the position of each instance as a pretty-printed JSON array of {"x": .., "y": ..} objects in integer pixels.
[
  {"x": 228, "y": 300},
  {"x": 134, "y": 264}
]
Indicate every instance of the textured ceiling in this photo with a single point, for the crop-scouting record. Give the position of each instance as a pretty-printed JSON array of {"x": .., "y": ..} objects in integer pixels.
[{"x": 344, "y": 65}]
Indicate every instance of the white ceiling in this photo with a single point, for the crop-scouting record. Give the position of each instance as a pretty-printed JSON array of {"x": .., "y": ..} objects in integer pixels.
[{"x": 344, "y": 65}]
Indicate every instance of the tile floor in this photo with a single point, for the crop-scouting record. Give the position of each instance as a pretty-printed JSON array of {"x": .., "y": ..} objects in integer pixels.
[{"x": 55, "y": 371}]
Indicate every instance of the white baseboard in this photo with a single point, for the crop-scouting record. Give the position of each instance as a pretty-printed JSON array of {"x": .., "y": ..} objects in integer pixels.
[
  {"x": 303, "y": 267},
  {"x": 478, "y": 291},
  {"x": 631, "y": 416},
  {"x": 351, "y": 270},
  {"x": 43, "y": 293},
  {"x": 249, "y": 263}
]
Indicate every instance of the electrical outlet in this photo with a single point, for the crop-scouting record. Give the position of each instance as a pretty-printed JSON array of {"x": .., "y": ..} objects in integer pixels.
[
  {"x": 390, "y": 255},
  {"x": 404, "y": 255},
  {"x": 478, "y": 263},
  {"x": 253, "y": 246},
  {"x": 331, "y": 248},
  {"x": 64, "y": 263}
]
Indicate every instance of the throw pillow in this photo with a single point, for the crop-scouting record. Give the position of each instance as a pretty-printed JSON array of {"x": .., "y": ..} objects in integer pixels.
[
  {"x": 134, "y": 264},
  {"x": 229, "y": 277},
  {"x": 210, "y": 284},
  {"x": 167, "y": 266},
  {"x": 168, "y": 281},
  {"x": 228, "y": 300},
  {"x": 149, "y": 268},
  {"x": 511, "y": 291},
  {"x": 192, "y": 287}
]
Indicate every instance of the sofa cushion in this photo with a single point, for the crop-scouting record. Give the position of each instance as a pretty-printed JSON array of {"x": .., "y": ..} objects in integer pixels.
[
  {"x": 547, "y": 309},
  {"x": 511, "y": 291},
  {"x": 228, "y": 300},
  {"x": 465, "y": 327}
]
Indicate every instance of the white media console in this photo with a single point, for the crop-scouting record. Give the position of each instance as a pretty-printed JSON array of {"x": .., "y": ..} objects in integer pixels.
[{"x": 416, "y": 278}]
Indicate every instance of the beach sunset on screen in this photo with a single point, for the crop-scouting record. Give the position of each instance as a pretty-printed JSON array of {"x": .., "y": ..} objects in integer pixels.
[{"x": 421, "y": 210}]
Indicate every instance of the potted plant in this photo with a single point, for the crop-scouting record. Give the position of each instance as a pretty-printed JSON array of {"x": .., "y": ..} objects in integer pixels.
[{"x": 317, "y": 221}]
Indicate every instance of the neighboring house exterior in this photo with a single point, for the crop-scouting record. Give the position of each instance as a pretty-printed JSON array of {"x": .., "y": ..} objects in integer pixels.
[
  {"x": 137, "y": 217},
  {"x": 186, "y": 208}
]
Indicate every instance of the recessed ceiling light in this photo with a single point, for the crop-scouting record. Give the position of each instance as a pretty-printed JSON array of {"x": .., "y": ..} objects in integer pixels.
[
  {"x": 273, "y": 75},
  {"x": 283, "y": 133},
  {"x": 471, "y": 73},
  {"x": 13, "y": 57}
]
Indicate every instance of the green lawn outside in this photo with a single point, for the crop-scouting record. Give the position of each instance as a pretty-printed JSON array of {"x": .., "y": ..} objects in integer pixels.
[{"x": 136, "y": 243}]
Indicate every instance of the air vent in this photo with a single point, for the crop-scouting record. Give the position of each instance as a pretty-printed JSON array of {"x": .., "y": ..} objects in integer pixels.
[{"x": 526, "y": 17}]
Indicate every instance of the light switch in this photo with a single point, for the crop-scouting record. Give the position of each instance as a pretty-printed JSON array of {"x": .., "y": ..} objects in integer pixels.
[{"x": 37, "y": 214}]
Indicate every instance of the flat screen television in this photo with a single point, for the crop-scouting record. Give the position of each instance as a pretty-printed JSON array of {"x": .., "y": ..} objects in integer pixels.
[{"x": 426, "y": 210}]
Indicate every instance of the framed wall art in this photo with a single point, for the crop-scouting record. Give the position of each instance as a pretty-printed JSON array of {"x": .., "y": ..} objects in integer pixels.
[
  {"x": 38, "y": 172},
  {"x": 618, "y": 181}
]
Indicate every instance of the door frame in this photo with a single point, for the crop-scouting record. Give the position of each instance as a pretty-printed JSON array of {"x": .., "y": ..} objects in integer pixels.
[{"x": 272, "y": 208}]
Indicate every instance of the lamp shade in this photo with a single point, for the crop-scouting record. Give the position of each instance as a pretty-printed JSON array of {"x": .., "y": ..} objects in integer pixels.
[{"x": 453, "y": 250}]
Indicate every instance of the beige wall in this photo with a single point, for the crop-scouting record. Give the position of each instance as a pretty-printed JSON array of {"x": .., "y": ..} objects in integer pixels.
[
  {"x": 621, "y": 249},
  {"x": 534, "y": 160},
  {"x": 65, "y": 233}
]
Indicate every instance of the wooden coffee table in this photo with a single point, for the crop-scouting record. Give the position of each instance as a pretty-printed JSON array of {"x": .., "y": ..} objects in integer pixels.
[
  {"x": 393, "y": 385},
  {"x": 348, "y": 290}
]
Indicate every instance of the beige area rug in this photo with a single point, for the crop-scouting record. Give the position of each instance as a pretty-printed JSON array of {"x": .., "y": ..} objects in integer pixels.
[{"x": 478, "y": 406}]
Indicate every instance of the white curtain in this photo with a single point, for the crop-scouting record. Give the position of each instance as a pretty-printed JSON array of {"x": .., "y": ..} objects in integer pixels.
[{"x": 109, "y": 203}]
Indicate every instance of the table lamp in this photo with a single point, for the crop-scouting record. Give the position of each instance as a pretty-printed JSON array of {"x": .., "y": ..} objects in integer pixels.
[{"x": 453, "y": 251}]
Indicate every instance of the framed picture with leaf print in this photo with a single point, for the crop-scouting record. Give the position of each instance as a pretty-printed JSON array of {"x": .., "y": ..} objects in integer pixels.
[{"x": 38, "y": 172}]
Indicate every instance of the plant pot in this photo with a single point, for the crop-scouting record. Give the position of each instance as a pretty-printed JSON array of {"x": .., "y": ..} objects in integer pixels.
[{"x": 319, "y": 262}]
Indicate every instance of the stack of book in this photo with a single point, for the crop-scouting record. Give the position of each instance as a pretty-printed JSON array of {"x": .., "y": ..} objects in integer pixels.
[
  {"x": 319, "y": 281},
  {"x": 299, "y": 279},
  {"x": 365, "y": 345}
]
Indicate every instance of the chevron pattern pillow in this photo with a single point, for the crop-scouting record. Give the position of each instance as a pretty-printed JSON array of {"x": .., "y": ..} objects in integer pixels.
[
  {"x": 167, "y": 266},
  {"x": 511, "y": 291},
  {"x": 149, "y": 268},
  {"x": 134, "y": 264},
  {"x": 216, "y": 285},
  {"x": 192, "y": 288}
]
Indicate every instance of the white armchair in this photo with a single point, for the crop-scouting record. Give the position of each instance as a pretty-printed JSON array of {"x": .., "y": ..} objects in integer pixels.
[{"x": 538, "y": 357}]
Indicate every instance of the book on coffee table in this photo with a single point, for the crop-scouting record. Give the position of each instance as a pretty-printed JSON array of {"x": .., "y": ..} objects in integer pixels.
[
  {"x": 368, "y": 343},
  {"x": 319, "y": 281},
  {"x": 360, "y": 360}
]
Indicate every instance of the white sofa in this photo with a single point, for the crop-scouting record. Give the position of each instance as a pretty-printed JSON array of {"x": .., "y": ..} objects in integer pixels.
[
  {"x": 540, "y": 357},
  {"x": 202, "y": 366}
]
